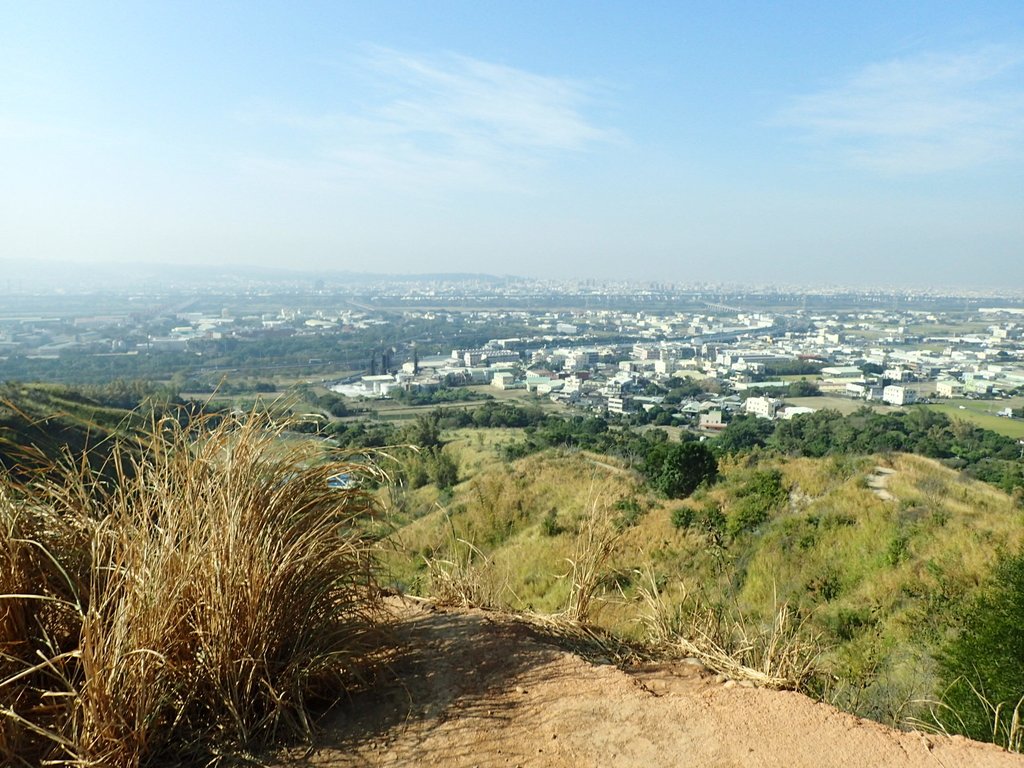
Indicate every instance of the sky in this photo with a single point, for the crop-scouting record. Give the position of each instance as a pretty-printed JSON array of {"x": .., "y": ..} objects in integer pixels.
[{"x": 793, "y": 143}]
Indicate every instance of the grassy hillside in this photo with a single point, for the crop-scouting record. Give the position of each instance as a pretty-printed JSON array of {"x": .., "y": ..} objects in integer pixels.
[
  {"x": 873, "y": 557},
  {"x": 806, "y": 563},
  {"x": 40, "y": 422}
]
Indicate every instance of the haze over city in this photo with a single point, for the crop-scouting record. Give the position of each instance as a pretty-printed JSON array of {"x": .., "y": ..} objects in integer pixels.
[{"x": 798, "y": 143}]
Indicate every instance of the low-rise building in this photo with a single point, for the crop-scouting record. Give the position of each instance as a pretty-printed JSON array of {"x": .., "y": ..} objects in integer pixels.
[
  {"x": 620, "y": 404},
  {"x": 977, "y": 386},
  {"x": 949, "y": 388},
  {"x": 712, "y": 420},
  {"x": 895, "y": 394},
  {"x": 379, "y": 384},
  {"x": 503, "y": 380},
  {"x": 845, "y": 372},
  {"x": 762, "y": 407}
]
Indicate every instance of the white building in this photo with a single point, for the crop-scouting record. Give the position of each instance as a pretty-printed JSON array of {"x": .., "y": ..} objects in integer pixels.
[
  {"x": 581, "y": 358},
  {"x": 503, "y": 380},
  {"x": 794, "y": 410},
  {"x": 620, "y": 404},
  {"x": 949, "y": 388},
  {"x": 473, "y": 357},
  {"x": 762, "y": 407},
  {"x": 379, "y": 385},
  {"x": 894, "y": 394}
]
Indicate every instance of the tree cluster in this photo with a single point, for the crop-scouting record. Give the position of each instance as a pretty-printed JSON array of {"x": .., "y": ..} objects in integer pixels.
[{"x": 982, "y": 453}]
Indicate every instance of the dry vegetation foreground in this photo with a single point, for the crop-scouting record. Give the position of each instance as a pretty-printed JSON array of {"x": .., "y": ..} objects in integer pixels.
[{"x": 470, "y": 688}]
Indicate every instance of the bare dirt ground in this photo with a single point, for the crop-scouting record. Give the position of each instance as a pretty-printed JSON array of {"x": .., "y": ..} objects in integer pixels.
[{"x": 470, "y": 688}]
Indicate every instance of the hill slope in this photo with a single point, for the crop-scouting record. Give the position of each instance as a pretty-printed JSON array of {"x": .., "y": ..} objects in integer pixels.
[
  {"x": 43, "y": 422},
  {"x": 483, "y": 689},
  {"x": 874, "y": 556}
]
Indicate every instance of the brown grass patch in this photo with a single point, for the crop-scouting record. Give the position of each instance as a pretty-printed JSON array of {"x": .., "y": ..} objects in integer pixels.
[{"x": 198, "y": 595}]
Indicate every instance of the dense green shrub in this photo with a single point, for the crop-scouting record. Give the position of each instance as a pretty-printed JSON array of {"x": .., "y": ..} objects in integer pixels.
[
  {"x": 683, "y": 517},
  {"x": 761, "y": 495},
  {"x": 444, "y": 469},
  {"x": 984, "y": 666},
  {"x": 549, "y": 524},
  {"x": 744, "y": 433},
  {"x": 676, "y": 469}
]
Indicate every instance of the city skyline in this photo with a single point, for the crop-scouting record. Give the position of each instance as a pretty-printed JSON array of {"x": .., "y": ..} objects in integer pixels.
[{"x": 728, "y": 143}]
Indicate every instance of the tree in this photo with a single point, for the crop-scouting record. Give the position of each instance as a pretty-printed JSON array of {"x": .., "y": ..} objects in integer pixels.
[
  {"x": 744, "y": 433},
  {"x": 803, "y": 388},
  {"x": 444, "y": 469},
  {"x": 425, "y": 431},
  {"x": 682, "y": 389},
  {"x": 676, "y": 469},
  {"x": 761, "y": 495}
]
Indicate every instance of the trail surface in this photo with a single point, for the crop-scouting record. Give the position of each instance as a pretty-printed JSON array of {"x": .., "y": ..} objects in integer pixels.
[
  {"x": 878, "y": 481},
  {"x": 471, "y": 688}
]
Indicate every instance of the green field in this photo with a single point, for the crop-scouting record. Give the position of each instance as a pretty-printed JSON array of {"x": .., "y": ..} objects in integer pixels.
[
  {"x": 394, "y": 410},
  {"x": 946, "y": 329},
  {"x": 983, "y": 413}
]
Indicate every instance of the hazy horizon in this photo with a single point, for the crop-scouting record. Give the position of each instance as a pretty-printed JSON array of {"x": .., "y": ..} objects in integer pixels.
[
  {"x": 729, "y": 143},
  {"x": 68, "y": 277}
]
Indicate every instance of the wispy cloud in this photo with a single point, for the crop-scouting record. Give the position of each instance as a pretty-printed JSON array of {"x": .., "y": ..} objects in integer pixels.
[
  {"x": 922, "y": 114},
  {"x": 447, "y": 120}
]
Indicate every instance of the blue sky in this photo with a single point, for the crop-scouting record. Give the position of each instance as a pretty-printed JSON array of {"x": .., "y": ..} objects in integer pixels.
[{"x": 794, "y": 143}]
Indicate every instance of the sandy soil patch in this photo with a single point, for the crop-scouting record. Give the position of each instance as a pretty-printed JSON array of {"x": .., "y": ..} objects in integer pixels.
[{"x": 470, "y": 688}]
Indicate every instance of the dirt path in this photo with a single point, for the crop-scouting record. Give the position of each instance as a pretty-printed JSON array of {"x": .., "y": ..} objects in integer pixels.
[
  {"x": 609, "y": 467},
  {"x": 878, "y": 481},
  {"x": 477, "y": 689}
]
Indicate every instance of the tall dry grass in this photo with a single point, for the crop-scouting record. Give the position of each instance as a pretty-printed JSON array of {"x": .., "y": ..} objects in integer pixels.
[
  {"x": 195, "y": 597},
  {"x": 595, "y": 545},
  {"x": 457, "y": 573},
  {"x": 779, "y": 654}
]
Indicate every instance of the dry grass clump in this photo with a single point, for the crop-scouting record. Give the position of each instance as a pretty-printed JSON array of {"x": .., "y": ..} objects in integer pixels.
[
  {"x": 456, "y": 573},
  {"x": 779, "y": 654},
  {"x": 193, "y": 598},
  {"x": 595, "y": 545}
]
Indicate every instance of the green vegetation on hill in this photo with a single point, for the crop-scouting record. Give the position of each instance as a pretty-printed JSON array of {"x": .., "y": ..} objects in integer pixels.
[
  {"x": 42, "y": 422},
  {"x": 979, "y": 452},
  {"x": 677, "y": 469},
  {"x": 860, "y": 549},
  {"x": 878, "y": 583},
  {"x": 983, "y": 666}
]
